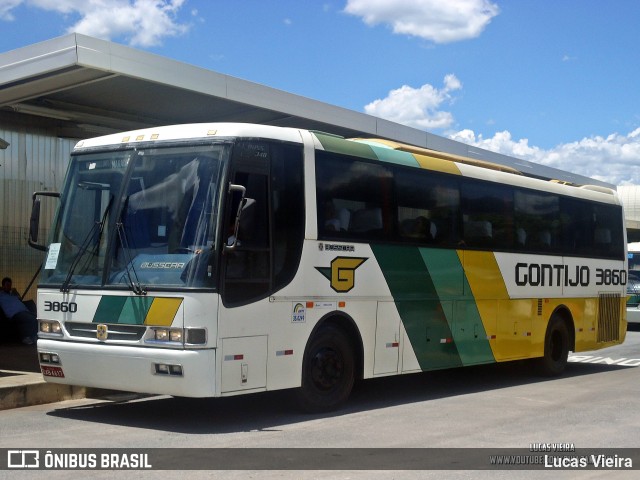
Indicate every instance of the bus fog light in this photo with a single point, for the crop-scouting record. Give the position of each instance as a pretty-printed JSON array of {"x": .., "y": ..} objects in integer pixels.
[
  {"x": 166, "y": 369},
  {"x": 46, "y": 357},
  {"x": 162, "y": 369}
]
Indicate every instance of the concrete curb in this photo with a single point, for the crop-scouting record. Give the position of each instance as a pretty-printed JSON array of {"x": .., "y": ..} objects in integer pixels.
[{"x": 22, "y": 389}]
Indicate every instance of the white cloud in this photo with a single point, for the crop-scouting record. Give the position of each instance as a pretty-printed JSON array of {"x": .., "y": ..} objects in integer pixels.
[
  {"x": 436, "y": 20},
  {"x": 143, "y": 23},
  {"x": 5, "y": 9},
  {"x": 417, "y": 107},
  {"x": 614, "y": 159}
]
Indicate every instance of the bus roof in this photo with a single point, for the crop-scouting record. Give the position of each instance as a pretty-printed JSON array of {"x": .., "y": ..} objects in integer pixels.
[{"x": 373, "y": 149}]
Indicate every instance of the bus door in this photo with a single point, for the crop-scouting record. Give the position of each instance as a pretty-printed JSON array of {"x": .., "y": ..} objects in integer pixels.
[{"x": 261, "y": 257}]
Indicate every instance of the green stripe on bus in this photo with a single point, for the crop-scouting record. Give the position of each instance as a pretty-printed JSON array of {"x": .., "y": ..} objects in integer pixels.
[
  {"x": 420, "y": 309},
  {"x": 125, "y": 310},
  {"x": 450, "y": 282},
  {"x": 334, "y": 144},
  {"x": 109, "y": 309},
  {"x": 389, "y": 155}
]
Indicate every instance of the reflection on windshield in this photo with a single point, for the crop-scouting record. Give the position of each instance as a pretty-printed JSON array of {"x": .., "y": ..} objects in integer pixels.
[{"x": 160, "y": 231}]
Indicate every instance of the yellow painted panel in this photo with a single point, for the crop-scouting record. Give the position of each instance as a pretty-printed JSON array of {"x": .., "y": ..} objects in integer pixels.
[
  {"x": 483, "y": 275},
  {"x": 514, "y": 329},
  {"x": 436, "y": 164},
  {"x": 163, "y": 311}
]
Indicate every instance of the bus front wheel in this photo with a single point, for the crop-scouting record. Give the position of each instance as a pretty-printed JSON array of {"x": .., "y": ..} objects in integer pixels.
[
  {"x": 328, "y": 371},
  {"x": 556, "y": 347}
]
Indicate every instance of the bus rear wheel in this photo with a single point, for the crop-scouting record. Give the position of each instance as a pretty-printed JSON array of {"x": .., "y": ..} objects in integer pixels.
[
  {"x": 328, "y": 371},
  {"x": 556, "y": 347}
]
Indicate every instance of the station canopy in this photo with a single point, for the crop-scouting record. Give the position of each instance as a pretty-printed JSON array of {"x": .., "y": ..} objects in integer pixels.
[{"x": 78, "y": 86}]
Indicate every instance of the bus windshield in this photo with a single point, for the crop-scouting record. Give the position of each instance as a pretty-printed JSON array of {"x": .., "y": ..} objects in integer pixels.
[{"x": 138, "y": 219}]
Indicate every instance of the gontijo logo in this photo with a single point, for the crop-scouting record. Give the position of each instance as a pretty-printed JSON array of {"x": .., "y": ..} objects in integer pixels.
[{"x": 342, "y": 273}]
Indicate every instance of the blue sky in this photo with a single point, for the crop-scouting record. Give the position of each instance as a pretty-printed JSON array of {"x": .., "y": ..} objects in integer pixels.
[{"x": 556, "y": 83}]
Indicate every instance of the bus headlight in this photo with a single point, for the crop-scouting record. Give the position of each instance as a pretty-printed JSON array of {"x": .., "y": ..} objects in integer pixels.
[
  {"x": 167, "y": 335},
  {"x": 50, "y": 327},
  {"x": 189, "y": 336}
]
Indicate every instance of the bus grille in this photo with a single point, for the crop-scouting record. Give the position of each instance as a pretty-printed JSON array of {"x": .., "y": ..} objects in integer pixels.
[
  {"x": 116, "y": 331},
  {"x": 609, "y": 317}
]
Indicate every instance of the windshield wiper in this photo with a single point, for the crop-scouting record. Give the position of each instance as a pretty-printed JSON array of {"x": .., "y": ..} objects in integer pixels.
[
  {"x": 134, "y": 282},
  {"x": 95, "y": 232}
]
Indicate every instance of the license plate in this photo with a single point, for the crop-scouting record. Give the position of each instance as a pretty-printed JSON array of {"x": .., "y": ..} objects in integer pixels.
[{"x": 49, "y": 371}]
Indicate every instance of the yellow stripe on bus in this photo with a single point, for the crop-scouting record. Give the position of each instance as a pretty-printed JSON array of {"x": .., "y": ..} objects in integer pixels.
[
  {"x": 163, "y": 311},
  {"x": 436, "y": 164}
]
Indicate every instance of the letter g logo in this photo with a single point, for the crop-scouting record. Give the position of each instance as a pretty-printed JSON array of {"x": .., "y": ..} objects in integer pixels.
[{"x": 342, "y": 273}]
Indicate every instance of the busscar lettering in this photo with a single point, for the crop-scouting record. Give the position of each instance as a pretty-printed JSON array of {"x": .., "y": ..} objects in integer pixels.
[
  {"x": 158, "y": 265},
  {"x": 558, "y": 275}
]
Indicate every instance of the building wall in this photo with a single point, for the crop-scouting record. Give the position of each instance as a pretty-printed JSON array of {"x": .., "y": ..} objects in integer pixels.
[
  {"x": 630, "y": 197},
  {"x": 32, "y": 162}
]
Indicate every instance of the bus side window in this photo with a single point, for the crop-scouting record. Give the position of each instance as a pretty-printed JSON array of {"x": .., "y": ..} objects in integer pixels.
[
  {"x": 428, "y": 207},
  {"x": 354, "y": 198}
]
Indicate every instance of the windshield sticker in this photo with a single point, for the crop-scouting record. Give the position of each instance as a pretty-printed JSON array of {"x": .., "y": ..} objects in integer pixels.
[{"x": 52, "y": 256}]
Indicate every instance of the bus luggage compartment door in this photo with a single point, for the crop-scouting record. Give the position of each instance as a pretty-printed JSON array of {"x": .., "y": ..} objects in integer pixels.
[
  {"x": 387, "y": 339},
  {"x": 244, "y": 363}
]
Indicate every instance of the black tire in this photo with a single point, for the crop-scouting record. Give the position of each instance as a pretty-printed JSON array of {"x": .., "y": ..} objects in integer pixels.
[
  {"x": 556, "y": 348},
  {"x": 328, "y": 371}
]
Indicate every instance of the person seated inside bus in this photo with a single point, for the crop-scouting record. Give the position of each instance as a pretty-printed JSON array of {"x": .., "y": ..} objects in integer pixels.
[
  {"x": 419, "y": 228},
  {"x": 366, "y": 220},
  {"x": 336, "y": 220},
  {"x": 17, "y": 313},
  {"x": 477, "y": 233},
  {"x": 542, "y": 240}
]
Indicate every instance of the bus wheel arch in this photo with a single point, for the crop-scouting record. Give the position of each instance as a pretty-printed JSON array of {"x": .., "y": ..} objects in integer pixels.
[
  {"x": 559, "y": 340},
  {"x": 331, "y": 363}
]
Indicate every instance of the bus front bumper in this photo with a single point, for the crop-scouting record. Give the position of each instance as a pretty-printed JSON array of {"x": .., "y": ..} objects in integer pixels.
[{"x": 186, "y": 373}]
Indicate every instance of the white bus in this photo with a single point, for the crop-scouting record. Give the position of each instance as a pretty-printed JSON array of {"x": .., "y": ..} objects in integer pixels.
[{"x": 221, "y": 259}]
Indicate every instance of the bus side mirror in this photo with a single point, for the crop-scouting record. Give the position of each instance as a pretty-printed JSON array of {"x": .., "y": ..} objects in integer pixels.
[
  {"x": 34, "y": 221},
  {"x": 235, "y": 190}
]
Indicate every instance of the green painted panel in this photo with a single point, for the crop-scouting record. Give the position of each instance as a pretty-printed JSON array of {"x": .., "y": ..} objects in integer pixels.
[
  {"x": 421, "y": 311},
  {"x": 450, "y": 283},
  {"x": 390, "y": 155},
  {"x": 332, "y": 143},
  {"x": 445, "y": 270},
  {"x": 135, "y": 310},
  {"x": 132, "y": 311},
  {"x": 470, "y": 335},
  {"x": 109, "y": 309}
]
